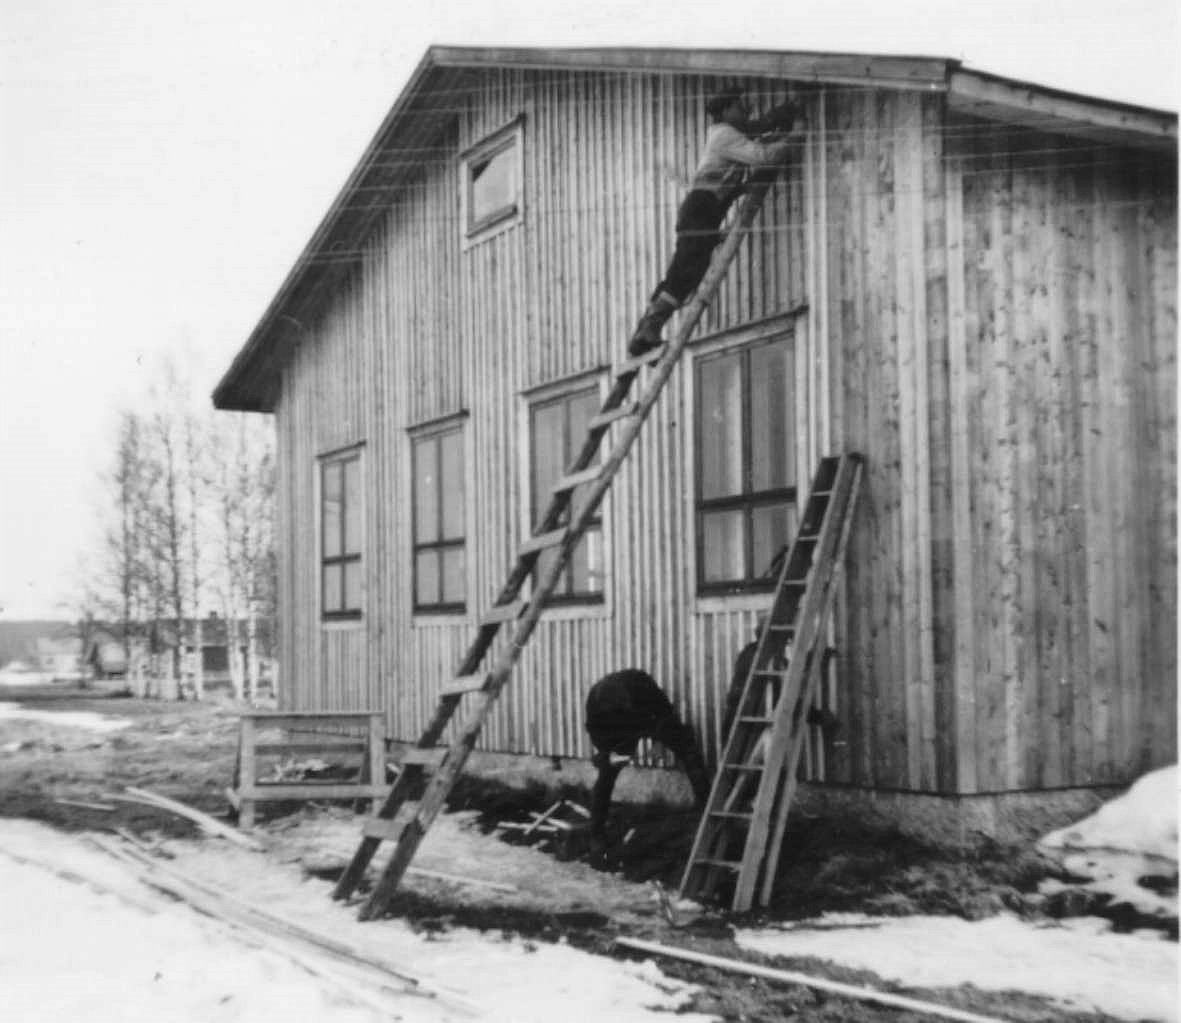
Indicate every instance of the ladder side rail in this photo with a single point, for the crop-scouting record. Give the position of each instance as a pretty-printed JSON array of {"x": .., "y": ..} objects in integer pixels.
[
  {"x": 452, "y": 764},
  {"x": 806, "y": 634},
  {"x": 771, "y": 862},
  {"x": 757, "y": 662},
  {"x": 787, "y": 782},
  {"x": 720, "y": 781}
]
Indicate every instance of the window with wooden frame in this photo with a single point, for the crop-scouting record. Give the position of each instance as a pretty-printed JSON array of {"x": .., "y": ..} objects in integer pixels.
[
  {"x": 341, "y": 542},
  {"x": 557, "y": 430},
  {"x": 440, "y": 533},
  {"x": 745, "y": 464},
  {"x": 491, "y": 176}
]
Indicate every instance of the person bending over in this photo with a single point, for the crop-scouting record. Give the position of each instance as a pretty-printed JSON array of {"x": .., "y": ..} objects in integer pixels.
[{"x": 621, "y": 709}]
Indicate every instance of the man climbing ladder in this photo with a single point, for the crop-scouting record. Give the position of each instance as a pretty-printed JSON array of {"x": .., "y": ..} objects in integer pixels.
[
  {"x": 719, "y": 179},
  {"x": 414, "y": 802}
]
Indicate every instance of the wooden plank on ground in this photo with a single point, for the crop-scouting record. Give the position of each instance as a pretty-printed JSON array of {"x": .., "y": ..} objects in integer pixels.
[
  {"x": 208, "y": 823},
  {"x": 861, "y": 994}
]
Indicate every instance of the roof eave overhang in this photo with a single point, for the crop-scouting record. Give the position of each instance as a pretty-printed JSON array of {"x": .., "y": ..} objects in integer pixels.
[
  {"x": 1048, "y": 110},
  {"x": 830, "y": 68}
]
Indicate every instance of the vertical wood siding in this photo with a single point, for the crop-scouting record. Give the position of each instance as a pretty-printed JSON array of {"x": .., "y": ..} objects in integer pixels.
[
  {"x": 994, "y": 332},
  {"x": 1004, "y": 354},
  {"x": 1070, "y": 345}
]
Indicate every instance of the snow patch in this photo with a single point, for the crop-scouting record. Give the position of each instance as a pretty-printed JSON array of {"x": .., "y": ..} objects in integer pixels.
[
  {"x": 68, "y": 719},
  {"x": 1131, "y": 837},
  {"x": 127, "y": 953},
  {"x": 1082, "y": 965}
]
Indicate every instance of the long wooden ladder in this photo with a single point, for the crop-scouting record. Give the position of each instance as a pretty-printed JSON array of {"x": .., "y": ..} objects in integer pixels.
[
  {"x": 414, "y": 802},
  {"x": 741, "y": 829}
]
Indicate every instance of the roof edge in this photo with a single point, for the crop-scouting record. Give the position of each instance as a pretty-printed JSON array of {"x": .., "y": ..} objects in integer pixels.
[{"x": 994, "y": 95}]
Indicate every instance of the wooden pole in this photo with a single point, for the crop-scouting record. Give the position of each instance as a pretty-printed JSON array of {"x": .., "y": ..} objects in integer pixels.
[{"x": 862, "y": 994}]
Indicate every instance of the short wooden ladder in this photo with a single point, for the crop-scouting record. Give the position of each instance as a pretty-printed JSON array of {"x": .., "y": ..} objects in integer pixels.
[
  {"x": 736, "y": 849},
  {"x": 308, "y": 733}
]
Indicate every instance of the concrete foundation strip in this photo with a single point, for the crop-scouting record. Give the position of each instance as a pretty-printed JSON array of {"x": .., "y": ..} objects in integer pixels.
[{"x": 863, "y": 994}]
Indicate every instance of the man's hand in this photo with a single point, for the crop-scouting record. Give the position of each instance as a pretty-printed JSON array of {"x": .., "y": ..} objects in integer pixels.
[{"x": 781, "y": 119}]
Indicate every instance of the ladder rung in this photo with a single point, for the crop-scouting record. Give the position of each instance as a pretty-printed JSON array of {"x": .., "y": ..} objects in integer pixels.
[
  {"x": 732, "y": 814},
  {"x": 543, "y": 540},
  {"x": 576, "y": 479},
  {"x": 808, "y": 537},
  {"x": 743, "y": 767},
  {"x": 727, "y": 864},
  {"x": 640, "y": 361},
  {"x": 819, "y": 493},
  {"x": 463, "y": 684},
  {"x": 388, "y": 829},
  {"x": 757, "y": 720},
  {"x": 781, "y": 627},
  {"x": 503, "y": 613},
  {"x": 425, "y": 756},
  {"x": 628, "y": 408}
]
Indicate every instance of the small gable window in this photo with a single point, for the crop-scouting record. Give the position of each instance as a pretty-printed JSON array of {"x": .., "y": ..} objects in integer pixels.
[{"x": 492, "y": 180}]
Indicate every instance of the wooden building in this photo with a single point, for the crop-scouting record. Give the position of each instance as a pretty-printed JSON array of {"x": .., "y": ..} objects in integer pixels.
[{"x": 968, "y": 279}]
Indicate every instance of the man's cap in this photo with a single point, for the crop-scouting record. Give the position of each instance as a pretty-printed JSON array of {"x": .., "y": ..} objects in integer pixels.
[{"x": 718, "y": 102}]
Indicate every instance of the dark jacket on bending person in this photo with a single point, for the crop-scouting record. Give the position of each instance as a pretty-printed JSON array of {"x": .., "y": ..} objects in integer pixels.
[{"x": 621, "y": 709}]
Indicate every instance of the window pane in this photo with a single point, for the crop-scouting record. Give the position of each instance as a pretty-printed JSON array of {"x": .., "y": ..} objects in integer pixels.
[
  {"x": 719, "y": 426},
  {"x": 451, "y": 493},
  {"x": 331, "y": 497},
  {"x": 426, "y": 507},
  {"x": 542, "y": 565},
  {"x": 454, "y": 577},
  {"x": 771, "y": 440},
  {"x": 332, "y": 591},
  {"x": 582, "y": 408},
  {"x": 351, "y": 471},
  {"x": 723, "y": 537},
  {"x": 548, "y": 454},
  {"x": 352, "y": 585},
  {"x": 586, "y": 566},
  {"x": 493, "y": 183},
  {"x": 772, "y": 529},
  {"x": 426, "y": 578}
]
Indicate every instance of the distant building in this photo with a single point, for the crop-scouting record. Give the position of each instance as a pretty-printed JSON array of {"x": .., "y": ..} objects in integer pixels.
[
  {"x": 61, "y": 659},
  {"x": 105, "y": 656}
]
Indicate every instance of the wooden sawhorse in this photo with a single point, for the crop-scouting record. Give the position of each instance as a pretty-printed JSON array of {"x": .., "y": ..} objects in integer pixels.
[{"x": 370, "y": 746}]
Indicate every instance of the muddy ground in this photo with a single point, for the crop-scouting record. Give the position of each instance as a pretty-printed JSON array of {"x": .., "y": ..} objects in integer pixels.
[{"x": 186, "y": 751}]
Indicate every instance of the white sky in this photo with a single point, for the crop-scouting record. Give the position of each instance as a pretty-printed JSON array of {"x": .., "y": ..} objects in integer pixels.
[{"x": 162, "y": 165}]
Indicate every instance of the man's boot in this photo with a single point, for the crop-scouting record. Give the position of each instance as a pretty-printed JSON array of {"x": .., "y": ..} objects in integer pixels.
[{"x": 647, "y": 332}]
